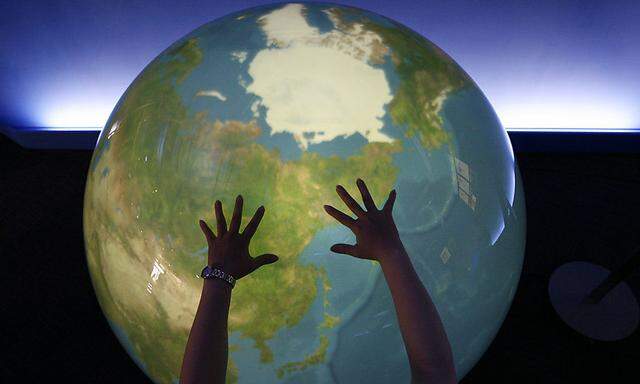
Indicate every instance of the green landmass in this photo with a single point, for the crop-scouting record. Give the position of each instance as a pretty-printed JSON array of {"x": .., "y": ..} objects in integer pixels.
[
  {"x": 161, "y": 172},
  {"x": 316, "y": 357},
  {"x": 118, "y": 211},
  {"x": 427, "y": 75},
  {"x": 162, "y": 169},
  {"x": 329, "y": 321}
]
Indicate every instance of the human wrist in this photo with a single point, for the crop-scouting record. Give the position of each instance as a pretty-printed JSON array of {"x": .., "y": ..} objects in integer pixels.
[
  {"x": 215, "y": 281},
  {"x": 216, "y": 285},
  {"x": 217, "y": 271},
  {"x": 216, "y": 264},
  {"x": 393, "y": 257}
]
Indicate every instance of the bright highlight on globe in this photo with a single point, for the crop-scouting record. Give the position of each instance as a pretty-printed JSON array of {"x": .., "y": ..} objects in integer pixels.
[{"x": 281, "y": 103}]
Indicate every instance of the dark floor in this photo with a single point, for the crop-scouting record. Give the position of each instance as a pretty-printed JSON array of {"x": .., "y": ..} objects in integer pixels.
[{"x": 579, "y": 207}]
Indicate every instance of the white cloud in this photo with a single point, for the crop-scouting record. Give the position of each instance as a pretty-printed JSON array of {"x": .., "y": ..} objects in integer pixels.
[
  {"x": 239, "y": 56},
  {"x": 254, "y": 108},
  {"x": 212, "y": 93},
  {"x": 241, "y": 81}
]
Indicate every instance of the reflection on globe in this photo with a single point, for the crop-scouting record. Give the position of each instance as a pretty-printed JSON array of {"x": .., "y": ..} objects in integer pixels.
[{"x": 280, "y": 103}]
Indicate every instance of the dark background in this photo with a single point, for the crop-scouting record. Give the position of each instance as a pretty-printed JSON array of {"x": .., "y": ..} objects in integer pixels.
[
  {"x": 579, "y": 207},
  {"x": 543, "y": 64}
]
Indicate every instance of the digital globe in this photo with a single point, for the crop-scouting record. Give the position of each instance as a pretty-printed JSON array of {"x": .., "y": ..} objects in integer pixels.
[{"x": 280, "y": 103}]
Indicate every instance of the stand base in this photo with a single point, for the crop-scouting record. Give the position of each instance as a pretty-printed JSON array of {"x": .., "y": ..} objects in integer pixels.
[{"x": 615, "y": 317}]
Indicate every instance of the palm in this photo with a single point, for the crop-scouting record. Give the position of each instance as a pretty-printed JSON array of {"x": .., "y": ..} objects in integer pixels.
[
  {"x": 243, "y": 264},
  {"x": 375, "y": 231},
  {"x": 229, "y": 249}
]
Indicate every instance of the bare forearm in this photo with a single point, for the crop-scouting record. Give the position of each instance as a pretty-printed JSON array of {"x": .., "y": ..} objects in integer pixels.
[
  {"x": 205, "y": 358},
  {"x": 424, "y": 336},
  {"x": 377, "y": 238}
]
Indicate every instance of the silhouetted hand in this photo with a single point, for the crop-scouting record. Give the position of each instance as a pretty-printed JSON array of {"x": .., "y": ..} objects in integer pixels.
[
  {"x": 376, "y": 233},
  {"x": 229, "y": 249},
  {"x": 377, "y": 238}
]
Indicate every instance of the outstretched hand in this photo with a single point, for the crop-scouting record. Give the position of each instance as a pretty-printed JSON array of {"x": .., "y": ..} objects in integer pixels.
[
  {"x": 377, "y": 237},
  {"x": 229, "y": 249}
]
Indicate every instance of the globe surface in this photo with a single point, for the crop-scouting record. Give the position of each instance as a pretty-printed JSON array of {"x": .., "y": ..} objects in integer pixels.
[{"x": 280, "y": 103}]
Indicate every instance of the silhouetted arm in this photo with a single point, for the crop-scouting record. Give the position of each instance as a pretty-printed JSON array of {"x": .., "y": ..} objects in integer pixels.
[
  {"x": 422, "y": 331},
  {"x": 377, "y": 238},
  {"x": 206, "y": 354}
]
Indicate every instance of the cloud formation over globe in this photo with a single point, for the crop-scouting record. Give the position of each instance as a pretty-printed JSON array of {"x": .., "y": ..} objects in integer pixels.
[{"x": 280, "y": 103}]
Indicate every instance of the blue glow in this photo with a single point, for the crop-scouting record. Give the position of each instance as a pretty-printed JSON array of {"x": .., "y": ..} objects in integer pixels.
[
  {"x": 539, "y": 130},
  {"x": 576, "y": 130},
  {"x": 61, "y": 129},
  {"x": 545, "y": 64}
]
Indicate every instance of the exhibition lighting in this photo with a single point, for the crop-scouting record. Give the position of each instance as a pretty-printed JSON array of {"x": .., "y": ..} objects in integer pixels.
[
  {"x": 76, "y": 124},
  {"x": 525, "y": 130},
  {"x": 566, "y": 114},
  {"x": 575, "y": 130},
  {"x": 559, "y": 116}
]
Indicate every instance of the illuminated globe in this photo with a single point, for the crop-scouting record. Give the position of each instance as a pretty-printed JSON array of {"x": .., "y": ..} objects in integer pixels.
[{"x": 280, "y": 103}]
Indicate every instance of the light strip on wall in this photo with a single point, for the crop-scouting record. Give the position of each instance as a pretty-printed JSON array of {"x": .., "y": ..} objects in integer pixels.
[{"x": 525, "y": 130}]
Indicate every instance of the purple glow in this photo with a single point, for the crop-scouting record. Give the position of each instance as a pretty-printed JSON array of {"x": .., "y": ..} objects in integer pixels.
[{"x": 546, "y": 64}]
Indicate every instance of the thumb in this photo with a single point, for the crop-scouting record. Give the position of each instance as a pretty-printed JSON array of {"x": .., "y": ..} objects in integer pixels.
[
  {"x": 346, "y": 249},
  {"x": 265, "y": 259}
]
